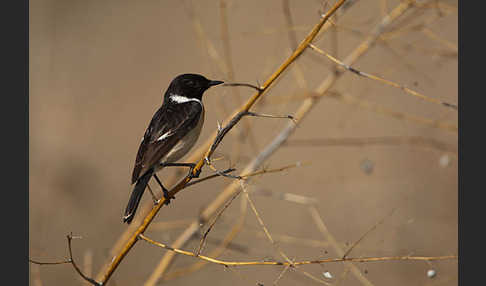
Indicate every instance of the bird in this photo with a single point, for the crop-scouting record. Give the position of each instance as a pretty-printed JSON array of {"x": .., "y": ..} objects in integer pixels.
[{"x": 172, "y": 132}]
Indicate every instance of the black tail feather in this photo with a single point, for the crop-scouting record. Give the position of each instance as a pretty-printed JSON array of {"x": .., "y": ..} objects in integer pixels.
[{"x": 136, "y": 196}]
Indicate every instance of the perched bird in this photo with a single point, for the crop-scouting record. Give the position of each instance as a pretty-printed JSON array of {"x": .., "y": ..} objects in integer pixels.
[{"x": 172, "y": 132}]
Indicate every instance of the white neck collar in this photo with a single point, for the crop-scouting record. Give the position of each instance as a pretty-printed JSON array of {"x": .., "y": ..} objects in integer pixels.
[{"x": 182, "y": 99}]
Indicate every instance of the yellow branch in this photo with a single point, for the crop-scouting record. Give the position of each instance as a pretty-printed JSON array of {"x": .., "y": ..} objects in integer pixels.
[{"x": 305, "y": 262}]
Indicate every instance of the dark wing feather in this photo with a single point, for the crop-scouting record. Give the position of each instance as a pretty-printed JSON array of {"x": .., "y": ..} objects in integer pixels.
[{"x": 176, "y": 119}]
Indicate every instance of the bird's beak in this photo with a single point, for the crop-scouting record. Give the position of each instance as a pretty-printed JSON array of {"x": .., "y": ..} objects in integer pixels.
[{"x": 215, "y": 82}]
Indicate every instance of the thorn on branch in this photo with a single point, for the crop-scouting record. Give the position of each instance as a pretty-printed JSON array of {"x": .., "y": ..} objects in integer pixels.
[
  {"x": 219, "y": 126},
  {"x": 210, "y": 177},
  {"x": 221, "y": 173},
  {"x": 224, "y": 130}
]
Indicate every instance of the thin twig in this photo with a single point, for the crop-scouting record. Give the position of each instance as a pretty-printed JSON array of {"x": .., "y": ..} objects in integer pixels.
[
  {"x": 222, "y": 131},
  {"x": 220, "y": 173},
  {"x": 272, "y": 241},
  {"x": 49, "y": 263},
  {"x": 70, "y": 261},
  {"x": 219, "y": 250},
  {"x": 304, "y": 262},
  {"x": 274, "y": 170},
  {"x": 271, "y": 116},
  {"x": 210, "y": 177},
  {"x": 203, "y": 239},
  {"x": 262, "y": 224},
  {"x": 92, "y": 281},
  {"x": 321, "y": 226},
  {"x": 257, "y": 88},
  {"x": 385, "y": 81},
  {"x": 366, "y": 233}
]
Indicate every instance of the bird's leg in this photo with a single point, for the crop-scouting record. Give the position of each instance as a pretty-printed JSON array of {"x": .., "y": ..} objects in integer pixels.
[
  {"x": 191, "y": 167},
  {"x": 154, "y": 198},
  {"x": 166, "y": 192}
]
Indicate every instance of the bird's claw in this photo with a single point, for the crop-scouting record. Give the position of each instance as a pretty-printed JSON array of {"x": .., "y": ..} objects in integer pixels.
[
  {"x": 167, "y": 197},
  {"x": 191, "y": 174}
]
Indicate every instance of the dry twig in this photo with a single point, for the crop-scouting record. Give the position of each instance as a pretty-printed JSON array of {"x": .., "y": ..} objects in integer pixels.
[
  {"x": 203, "y": 239},
  {"x": 69, "y": 261},
  {"x": 385, "y": 81},
  {"x": 296, "y": 263}
]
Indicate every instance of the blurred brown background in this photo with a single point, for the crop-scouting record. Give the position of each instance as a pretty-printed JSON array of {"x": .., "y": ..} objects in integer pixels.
[{"x": 97, "y": 73}]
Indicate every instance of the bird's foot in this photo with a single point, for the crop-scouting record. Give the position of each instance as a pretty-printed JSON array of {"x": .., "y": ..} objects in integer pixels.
[
  {"x": 191, "y": 174},
  {"x": 167, "y": 197}
]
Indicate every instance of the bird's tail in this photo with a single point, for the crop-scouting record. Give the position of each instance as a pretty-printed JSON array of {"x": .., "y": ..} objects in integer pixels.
[{"x": 136, "y": 196}]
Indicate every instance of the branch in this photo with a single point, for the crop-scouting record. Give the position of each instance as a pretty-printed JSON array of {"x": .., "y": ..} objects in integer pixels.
[
  {"x": 245, "y": 108},
  {"x": 257, "y": 88},
  {"x": 385, "y": 81},
  {"x": 70, "y": 261},
  {"x": 304, "y": 262},
  {"x": 216, "y": 252},
  {"x": 203, "y": 239},
  {"x": 210, "y": 177},
  {"x": 366, "y": 233}
]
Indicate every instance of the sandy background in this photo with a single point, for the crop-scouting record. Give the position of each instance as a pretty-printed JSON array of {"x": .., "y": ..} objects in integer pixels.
[{"x": 97, "y": 69}]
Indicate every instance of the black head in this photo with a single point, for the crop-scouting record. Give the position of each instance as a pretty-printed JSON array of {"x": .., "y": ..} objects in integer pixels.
[{"x": 190, "y": 85}]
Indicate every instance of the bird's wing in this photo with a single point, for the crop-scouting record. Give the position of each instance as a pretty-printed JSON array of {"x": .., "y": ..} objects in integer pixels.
[{"x": 167, "y": 127}]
